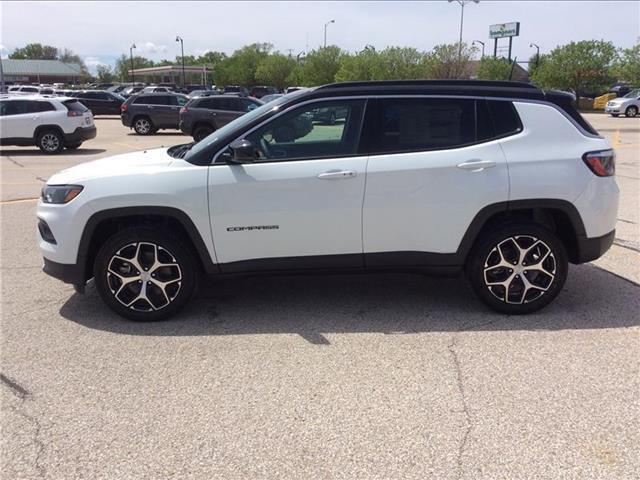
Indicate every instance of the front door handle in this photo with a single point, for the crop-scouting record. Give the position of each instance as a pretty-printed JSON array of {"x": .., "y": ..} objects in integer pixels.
[
  {"x": 336, "y": 174},
  {"x": 477, "y": 165}
]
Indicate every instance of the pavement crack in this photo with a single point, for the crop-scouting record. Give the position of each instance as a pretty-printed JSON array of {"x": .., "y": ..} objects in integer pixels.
[
  {"x": 23, "y": 394},
  {"x": 465, "y": 408}
]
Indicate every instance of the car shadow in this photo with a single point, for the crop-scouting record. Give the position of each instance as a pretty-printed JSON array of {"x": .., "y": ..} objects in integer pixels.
[
  {"x": 36, "y": 151},
  {"x": 171, "y": 133},
  {"x": 394, "y": 304}
]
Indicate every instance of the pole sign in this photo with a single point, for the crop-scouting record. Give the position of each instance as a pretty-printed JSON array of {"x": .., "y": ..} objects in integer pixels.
[{"x": 502, "y": 30}]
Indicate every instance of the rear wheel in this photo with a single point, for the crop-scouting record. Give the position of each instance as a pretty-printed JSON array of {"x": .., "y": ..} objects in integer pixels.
[
  {"x": 50, "y": 142},
  {"x": 143, "y": 126},
  {"x": 145, "y": 274},
  {"x": 202, "y": 132},
  {"x": 518, "y": 268},
  {"x": 631, "y": 111}
]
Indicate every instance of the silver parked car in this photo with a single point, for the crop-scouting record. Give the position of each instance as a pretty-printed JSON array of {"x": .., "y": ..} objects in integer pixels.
[{"x": 628, "y": 105}]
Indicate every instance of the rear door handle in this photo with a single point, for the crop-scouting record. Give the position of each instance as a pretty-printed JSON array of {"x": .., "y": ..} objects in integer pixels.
[
  {"x": 336, "y": 174},
  {"x": 477, "y": 165}
]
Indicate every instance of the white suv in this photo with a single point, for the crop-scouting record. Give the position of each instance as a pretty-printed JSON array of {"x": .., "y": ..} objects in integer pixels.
[
  {"x": 51, "y": 124},
  {"x": 497, "y": 179}
]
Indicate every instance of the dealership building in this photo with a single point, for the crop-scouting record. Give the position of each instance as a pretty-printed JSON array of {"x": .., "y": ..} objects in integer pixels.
[{"x": 41, "y": 71}]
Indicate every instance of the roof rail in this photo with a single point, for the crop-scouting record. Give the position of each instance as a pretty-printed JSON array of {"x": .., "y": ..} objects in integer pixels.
[{"x": 430, "y": 83}]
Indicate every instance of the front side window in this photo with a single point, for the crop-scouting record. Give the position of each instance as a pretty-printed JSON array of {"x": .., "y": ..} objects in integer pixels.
[
  {"x": 318, "y": 130},
  {"x": 16, "y": 107}
]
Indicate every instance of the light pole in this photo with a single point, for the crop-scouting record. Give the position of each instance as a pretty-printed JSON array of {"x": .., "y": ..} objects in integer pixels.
[
  {"x": 179, "y": 39},
  {"x": 481, "y": 43},
  {"x": 325, "y": 31},
  {"x": 133, "y": 78},
  {"x": 537, "y": 53},
  {"x": 462, "y": 3}
]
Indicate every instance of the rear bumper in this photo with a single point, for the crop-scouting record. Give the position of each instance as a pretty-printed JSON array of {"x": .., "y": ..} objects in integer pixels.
[
  {"x": 81, "y": 134},
  {"x": 591, "y": 248},
  {"x": 185, "y": 127},
  {"x": 126, "y": 119}
]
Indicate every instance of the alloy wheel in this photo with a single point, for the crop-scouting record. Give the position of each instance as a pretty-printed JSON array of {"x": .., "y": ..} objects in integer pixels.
[
  {"x": 143, "y": 126},
  {"x": 520, "y": 269},
  {"x": 50, "y": 142},
  {"x": 144, "y": 276}
]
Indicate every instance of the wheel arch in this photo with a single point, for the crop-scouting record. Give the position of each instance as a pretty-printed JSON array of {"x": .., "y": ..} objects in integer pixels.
[
  {"x": 43, "y": 128},
  {"x": 105, "y": 223},
  {"x": 560, "y": 216}
]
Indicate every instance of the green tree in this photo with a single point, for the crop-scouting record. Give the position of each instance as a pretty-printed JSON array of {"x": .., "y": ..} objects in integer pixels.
[
  {"x": 104, "y": 74},
  {"x": 35, "y": 51},
  {"x": 627, "y": 66},
  {"x": 491, "y": 68},
  {"x": 584, "y": 67},
  {"x": 240, "y": 68},
  {"x": 275, "y": 70},
  {"x": 67, "y": 56},
  {"x": 445, "y": 62},
  {"x": 321, "y": 66},
  {"x": 400, "y": 63},
  {"x": 123, "y": 65},
  {"x": 361, "y": 66}
]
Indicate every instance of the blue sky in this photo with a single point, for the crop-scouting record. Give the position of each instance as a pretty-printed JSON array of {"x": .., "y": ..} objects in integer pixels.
[{"x": 101, "y": 31}]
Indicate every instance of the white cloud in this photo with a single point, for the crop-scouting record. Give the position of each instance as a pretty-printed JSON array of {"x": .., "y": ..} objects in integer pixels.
[
  {"x": 4, "y": 52},
  {"x": 150, "y": 47}
]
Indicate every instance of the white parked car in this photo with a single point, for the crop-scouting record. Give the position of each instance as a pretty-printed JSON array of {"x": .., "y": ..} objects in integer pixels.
[
  {"x": 498, "y": 179},
  {"x": 50, "y": 123},
  {"x": 23, "y": 90},
  {"x": 629, "y": 105}
]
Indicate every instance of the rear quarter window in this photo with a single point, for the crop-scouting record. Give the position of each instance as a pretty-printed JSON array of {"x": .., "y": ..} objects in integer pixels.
[
  {"x": 35, "y": 107},
  {"x": 504, "y": 117},
  {"x": 75, "y": 106}
]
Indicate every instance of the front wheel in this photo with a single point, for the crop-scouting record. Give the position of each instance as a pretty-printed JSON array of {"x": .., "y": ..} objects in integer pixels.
[
  {"x": 631, "y": 111},
  {"x": 145, "y": 274},
  {"x": 518, "y": 268}
]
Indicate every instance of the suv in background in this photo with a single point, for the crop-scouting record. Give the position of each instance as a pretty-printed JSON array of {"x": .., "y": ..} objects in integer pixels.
[
  {"x": 51, "y": 124},
  {"x": 23, "y": 90},
  {"x": 100, "y": 102},
  {"x": 147, "y": 113},
  {"x": 499, "y": 180},
  {"x": 261, "y": 90},
  {"x": 157, "y": 89},
  {"x": 203, "y": 115},
  {"x": 235, "y": 90}
]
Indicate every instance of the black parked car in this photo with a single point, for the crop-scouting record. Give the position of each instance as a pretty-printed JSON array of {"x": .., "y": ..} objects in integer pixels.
[
  {"x": 146, "y": 113},
  {"x": 203, "y": 115},
  {"x": 100, "y": 102},
  {"x": 262, "y": 90},
  {"x": 236, "y": 90}
]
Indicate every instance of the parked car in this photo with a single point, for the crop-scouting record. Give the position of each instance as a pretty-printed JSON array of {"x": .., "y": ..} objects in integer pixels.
[
  {"x": 621, "y": 88},
  {"x": 117, "y": 88},
  {"x": 202, "y": 93},
  {"x": 329, "y": 115},
  {"x": 629, "y": 105},
  {"x": 146, "y": 113},
  {"x": 50, "y": 123},
  {"x": 294, "y": 89},
  {"x": 100, "y": 102},
  {"x": 501, "y": 180},
  {"x": 157, "y": 89},
  {"x": 272, "y": 97},
  {"x": 203, "y": 115},
  {"x": 236, "y": 90},
  {"x": 131, "y": 90},
  {"x": 261, "y": 90},
  {"x": 23, "y": 90}
]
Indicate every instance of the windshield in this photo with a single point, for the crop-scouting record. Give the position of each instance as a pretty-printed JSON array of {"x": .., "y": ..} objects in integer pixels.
[
  {"x": 633, "y": 94},
  {"x": 238, "y": 123}
]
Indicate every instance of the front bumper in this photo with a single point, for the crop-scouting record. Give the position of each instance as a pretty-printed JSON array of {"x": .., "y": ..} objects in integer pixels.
[
  {"x": 80, "y": 134},
  {"x": 591, "y": 248},
  {"x": 67, "y": 272},
  {"x": 614, "y": 109}
]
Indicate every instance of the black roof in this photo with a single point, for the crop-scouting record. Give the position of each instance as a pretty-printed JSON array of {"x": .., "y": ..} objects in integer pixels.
[{"x": 426, "y": 87}]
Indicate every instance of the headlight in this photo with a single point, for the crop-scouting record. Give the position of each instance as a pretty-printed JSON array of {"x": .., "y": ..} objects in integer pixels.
[{"x": 60, "y": 193}]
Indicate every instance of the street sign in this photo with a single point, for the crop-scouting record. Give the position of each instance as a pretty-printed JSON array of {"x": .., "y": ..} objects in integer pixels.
[{"x": 502, "y": 30}]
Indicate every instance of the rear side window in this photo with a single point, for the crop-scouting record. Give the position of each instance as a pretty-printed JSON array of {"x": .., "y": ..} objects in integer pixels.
[
  {"x": 505, "y": 118},
  {"x": 414, "y": 124},
  {"x": 75, "y": 106},
  {"x": 142, "y": 101},
  {"x": 35, "y": 107},
  {"x": 159, "y": 100}
]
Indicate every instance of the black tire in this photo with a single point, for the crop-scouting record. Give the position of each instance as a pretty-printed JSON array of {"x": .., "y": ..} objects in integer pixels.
[
  {"x": 546, "y": 286},
  {"x": 202, "y": 132},
  {"x": 180, "y": 276},
  {"x": 50, "y": 142},
  {"x": 631, "y": 111},
  {"x": 73, "y": 146},
  {"x": 143, "y": 125}
]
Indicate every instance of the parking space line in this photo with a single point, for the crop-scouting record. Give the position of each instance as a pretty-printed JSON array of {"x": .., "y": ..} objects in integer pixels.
[
  {"x": 19, "y": 200},
  {"x": 616, "y": 139}
]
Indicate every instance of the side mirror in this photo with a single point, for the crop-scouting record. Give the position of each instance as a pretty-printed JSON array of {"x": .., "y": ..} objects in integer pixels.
[{"x": 243, "y": 151}]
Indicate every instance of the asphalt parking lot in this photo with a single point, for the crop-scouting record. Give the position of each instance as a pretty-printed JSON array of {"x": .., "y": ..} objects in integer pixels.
[{"x": 385, "y": 376}]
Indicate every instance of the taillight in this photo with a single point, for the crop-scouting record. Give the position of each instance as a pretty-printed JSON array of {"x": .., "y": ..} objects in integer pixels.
[
  {"x": 184, "y": 110},
  {"x": 123, "y": 107},
  {"x": 73, "y": 113},
  {"x": 602, "y": 163}
]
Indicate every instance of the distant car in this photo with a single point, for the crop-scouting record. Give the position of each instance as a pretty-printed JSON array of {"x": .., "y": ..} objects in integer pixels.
[
  {"x": 146, "y": 113},
  {"x": 329, "y": 115},
  {"x": 272, "y": 97},
  {"x": 50, "y": 123},
  {"x": 47, "y": 91},
  {"x": 131, "y": 90},
  {"x": 157, "y": 89},
  {"x": 294, "y": 89},
  {"x": 236, "y": 89},
  {"x": 621, "y": 89},
  {"x": 203, "y": 115},
  {"x": 261, "y": 91},
  {"x": 100, "y": 102},
  {"x": 117, "y": 88},
  {"x": 202, "y": 93},
  {"x": 23, "y": 90},
  {"x": 629, "y": 105}
]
